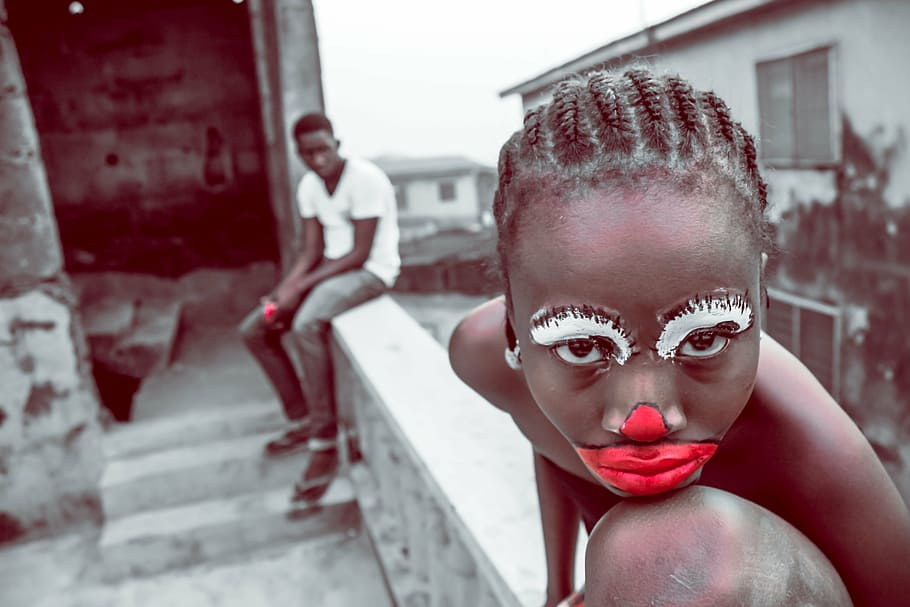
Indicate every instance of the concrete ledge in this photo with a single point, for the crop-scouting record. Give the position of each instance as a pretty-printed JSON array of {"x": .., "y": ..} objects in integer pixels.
[{"x": 449, "y": 496}]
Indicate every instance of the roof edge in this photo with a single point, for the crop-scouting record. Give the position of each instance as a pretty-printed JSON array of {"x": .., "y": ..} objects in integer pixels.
[{"x": 694, "y": 19}]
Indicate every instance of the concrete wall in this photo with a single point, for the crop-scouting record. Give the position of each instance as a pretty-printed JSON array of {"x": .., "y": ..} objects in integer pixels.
[
  {"x": 870, "y": 49},
  {"x": 290, "y": 84},
  {"x": 448, "y": 493},
  {"x": 149, "y": 119},
  {"x": 50, "y": 451}
]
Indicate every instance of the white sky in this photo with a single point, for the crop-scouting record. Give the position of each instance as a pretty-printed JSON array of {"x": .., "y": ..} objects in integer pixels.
[{"x": 422, "y": 77}]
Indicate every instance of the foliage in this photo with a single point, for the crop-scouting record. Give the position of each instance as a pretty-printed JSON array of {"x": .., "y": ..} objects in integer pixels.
[{"x": 857, "y": 249}]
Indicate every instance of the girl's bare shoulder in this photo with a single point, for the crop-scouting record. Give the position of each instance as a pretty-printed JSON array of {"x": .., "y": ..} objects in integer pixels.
[{"x": 476, "y": 353}]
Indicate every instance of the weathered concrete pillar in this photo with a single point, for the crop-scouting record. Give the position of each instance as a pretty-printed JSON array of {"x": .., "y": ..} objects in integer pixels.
[
  {"x": 290, "y": 84},
  {"x": 50, "y": 448}
]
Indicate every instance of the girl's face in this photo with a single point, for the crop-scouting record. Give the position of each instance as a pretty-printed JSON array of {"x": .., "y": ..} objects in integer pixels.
[{"x": 638, "y": 317}]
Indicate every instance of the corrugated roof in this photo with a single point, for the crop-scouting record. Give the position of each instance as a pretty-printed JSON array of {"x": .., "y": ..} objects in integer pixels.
[
  {"x": 701, "y": 17},
  {"x": 398, "y": 166}
]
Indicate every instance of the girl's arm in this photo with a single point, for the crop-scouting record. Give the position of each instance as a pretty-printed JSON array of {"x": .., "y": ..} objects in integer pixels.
[
  {"x": 560, "y": 520},
  {"x": 476, "y": 355}
]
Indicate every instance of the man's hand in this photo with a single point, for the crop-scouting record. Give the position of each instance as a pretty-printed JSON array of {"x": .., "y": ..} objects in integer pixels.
[{"x": 280, "y": 305}]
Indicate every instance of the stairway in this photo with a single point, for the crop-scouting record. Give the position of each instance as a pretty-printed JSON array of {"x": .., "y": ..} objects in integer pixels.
[
  {"x": 195, "y": 514},
  {"x": 181, "y": 491}
]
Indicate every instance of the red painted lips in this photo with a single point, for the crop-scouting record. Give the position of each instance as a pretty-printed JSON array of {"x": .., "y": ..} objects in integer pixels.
[{"x": 647, "y": 469}]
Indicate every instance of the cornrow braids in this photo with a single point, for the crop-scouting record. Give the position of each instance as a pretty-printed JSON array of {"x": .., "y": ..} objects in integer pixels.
[
  {"x": 686, "y": 115},
  {"x": 750, "y": 159},
  {"x": 619, "y": 128},
  {"x": 646, "y": 101},
  {"x": 615, "y": 126},
  {"x": 573, "y": 142},
  {"x": 532, "y": 127},
  {"x": 720, "y": 117}
]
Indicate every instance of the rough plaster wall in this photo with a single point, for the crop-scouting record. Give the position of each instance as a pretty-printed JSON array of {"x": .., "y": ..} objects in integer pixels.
[
  {"x": 151, "y": 132},
  {"x": 50, "y": 449},
  {"x": 423, "y": 556}
]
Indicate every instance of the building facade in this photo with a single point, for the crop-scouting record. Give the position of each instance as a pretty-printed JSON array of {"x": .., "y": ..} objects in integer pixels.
[
  {"x": 440, "y": 193},
  {"x": 805, "y": 76}
]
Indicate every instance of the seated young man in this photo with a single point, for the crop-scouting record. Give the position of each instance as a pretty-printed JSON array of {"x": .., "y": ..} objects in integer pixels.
[{"x": 350, "y": 255}]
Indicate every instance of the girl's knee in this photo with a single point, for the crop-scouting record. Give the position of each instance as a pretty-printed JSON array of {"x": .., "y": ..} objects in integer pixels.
[{"x": 703, "y": 546}]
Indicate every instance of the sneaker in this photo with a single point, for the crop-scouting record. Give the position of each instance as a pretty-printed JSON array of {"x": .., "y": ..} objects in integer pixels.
[{"x": 292, "y": 441}]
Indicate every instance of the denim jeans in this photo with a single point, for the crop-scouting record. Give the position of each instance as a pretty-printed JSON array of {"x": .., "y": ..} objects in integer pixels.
[{"x": 308, "y": 336}]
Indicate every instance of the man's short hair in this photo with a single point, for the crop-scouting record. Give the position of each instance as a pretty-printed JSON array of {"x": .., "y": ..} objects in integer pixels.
[{"x": 309, "y": 123}]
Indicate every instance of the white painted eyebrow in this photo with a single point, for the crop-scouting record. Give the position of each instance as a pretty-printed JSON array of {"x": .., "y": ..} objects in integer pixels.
[
  {"x": 703, "y": 314},
  {"x": 548, "y": 329}
]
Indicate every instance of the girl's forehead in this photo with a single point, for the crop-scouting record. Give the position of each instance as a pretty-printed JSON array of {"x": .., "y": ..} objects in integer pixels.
[{"x": 623, "y": 248}]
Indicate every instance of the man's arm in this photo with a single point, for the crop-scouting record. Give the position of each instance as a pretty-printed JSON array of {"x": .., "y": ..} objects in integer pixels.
[
  {"x": 286, "y": 294},
  {"x": 297, "y": 284}
]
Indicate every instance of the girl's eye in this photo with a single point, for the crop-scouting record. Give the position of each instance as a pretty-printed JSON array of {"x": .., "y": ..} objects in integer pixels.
[
  {"x": 583, "y": 351},
  {"x": 703, "y": 344}
]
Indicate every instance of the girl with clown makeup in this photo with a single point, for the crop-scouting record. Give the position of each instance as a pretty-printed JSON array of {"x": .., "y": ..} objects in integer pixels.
[{"x": 708, "y": 464}]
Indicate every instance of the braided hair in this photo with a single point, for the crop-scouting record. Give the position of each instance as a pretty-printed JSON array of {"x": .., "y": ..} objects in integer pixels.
[{"x": 612, "y": 128}]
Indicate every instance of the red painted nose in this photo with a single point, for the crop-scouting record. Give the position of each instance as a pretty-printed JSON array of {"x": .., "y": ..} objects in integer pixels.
[{"x": 645, "y": 423}]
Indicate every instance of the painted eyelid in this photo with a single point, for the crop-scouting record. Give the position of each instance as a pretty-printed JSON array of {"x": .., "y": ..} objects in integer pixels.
[
  {"x": 678, "y": 329},
  {"x": 552, "y": 332}
]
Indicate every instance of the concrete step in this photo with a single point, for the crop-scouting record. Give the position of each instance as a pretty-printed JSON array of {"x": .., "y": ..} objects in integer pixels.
[
  {"x": 160, "y": 540},
  {"x": 316, "y": 572},
  {"x": 193, "y": 428},
  {"x": 198, "y": 472}
]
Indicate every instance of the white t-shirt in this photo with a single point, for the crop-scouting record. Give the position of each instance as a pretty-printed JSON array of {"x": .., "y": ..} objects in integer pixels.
[{"x": 363, "y": 192}]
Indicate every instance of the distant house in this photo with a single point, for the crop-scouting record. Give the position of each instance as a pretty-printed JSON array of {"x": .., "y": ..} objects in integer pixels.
[
  {"x": 439, "y": 193},
  {"x": 808, "y": 77}
]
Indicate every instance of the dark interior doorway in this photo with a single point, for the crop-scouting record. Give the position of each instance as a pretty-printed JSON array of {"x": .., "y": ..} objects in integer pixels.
[{"x": 150, "y": 127}]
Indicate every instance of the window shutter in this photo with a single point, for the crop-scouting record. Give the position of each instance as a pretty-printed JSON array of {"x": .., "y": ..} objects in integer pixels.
[
  {"x": 812, "y": 108},
  {"x": 775, "y": 107}
]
